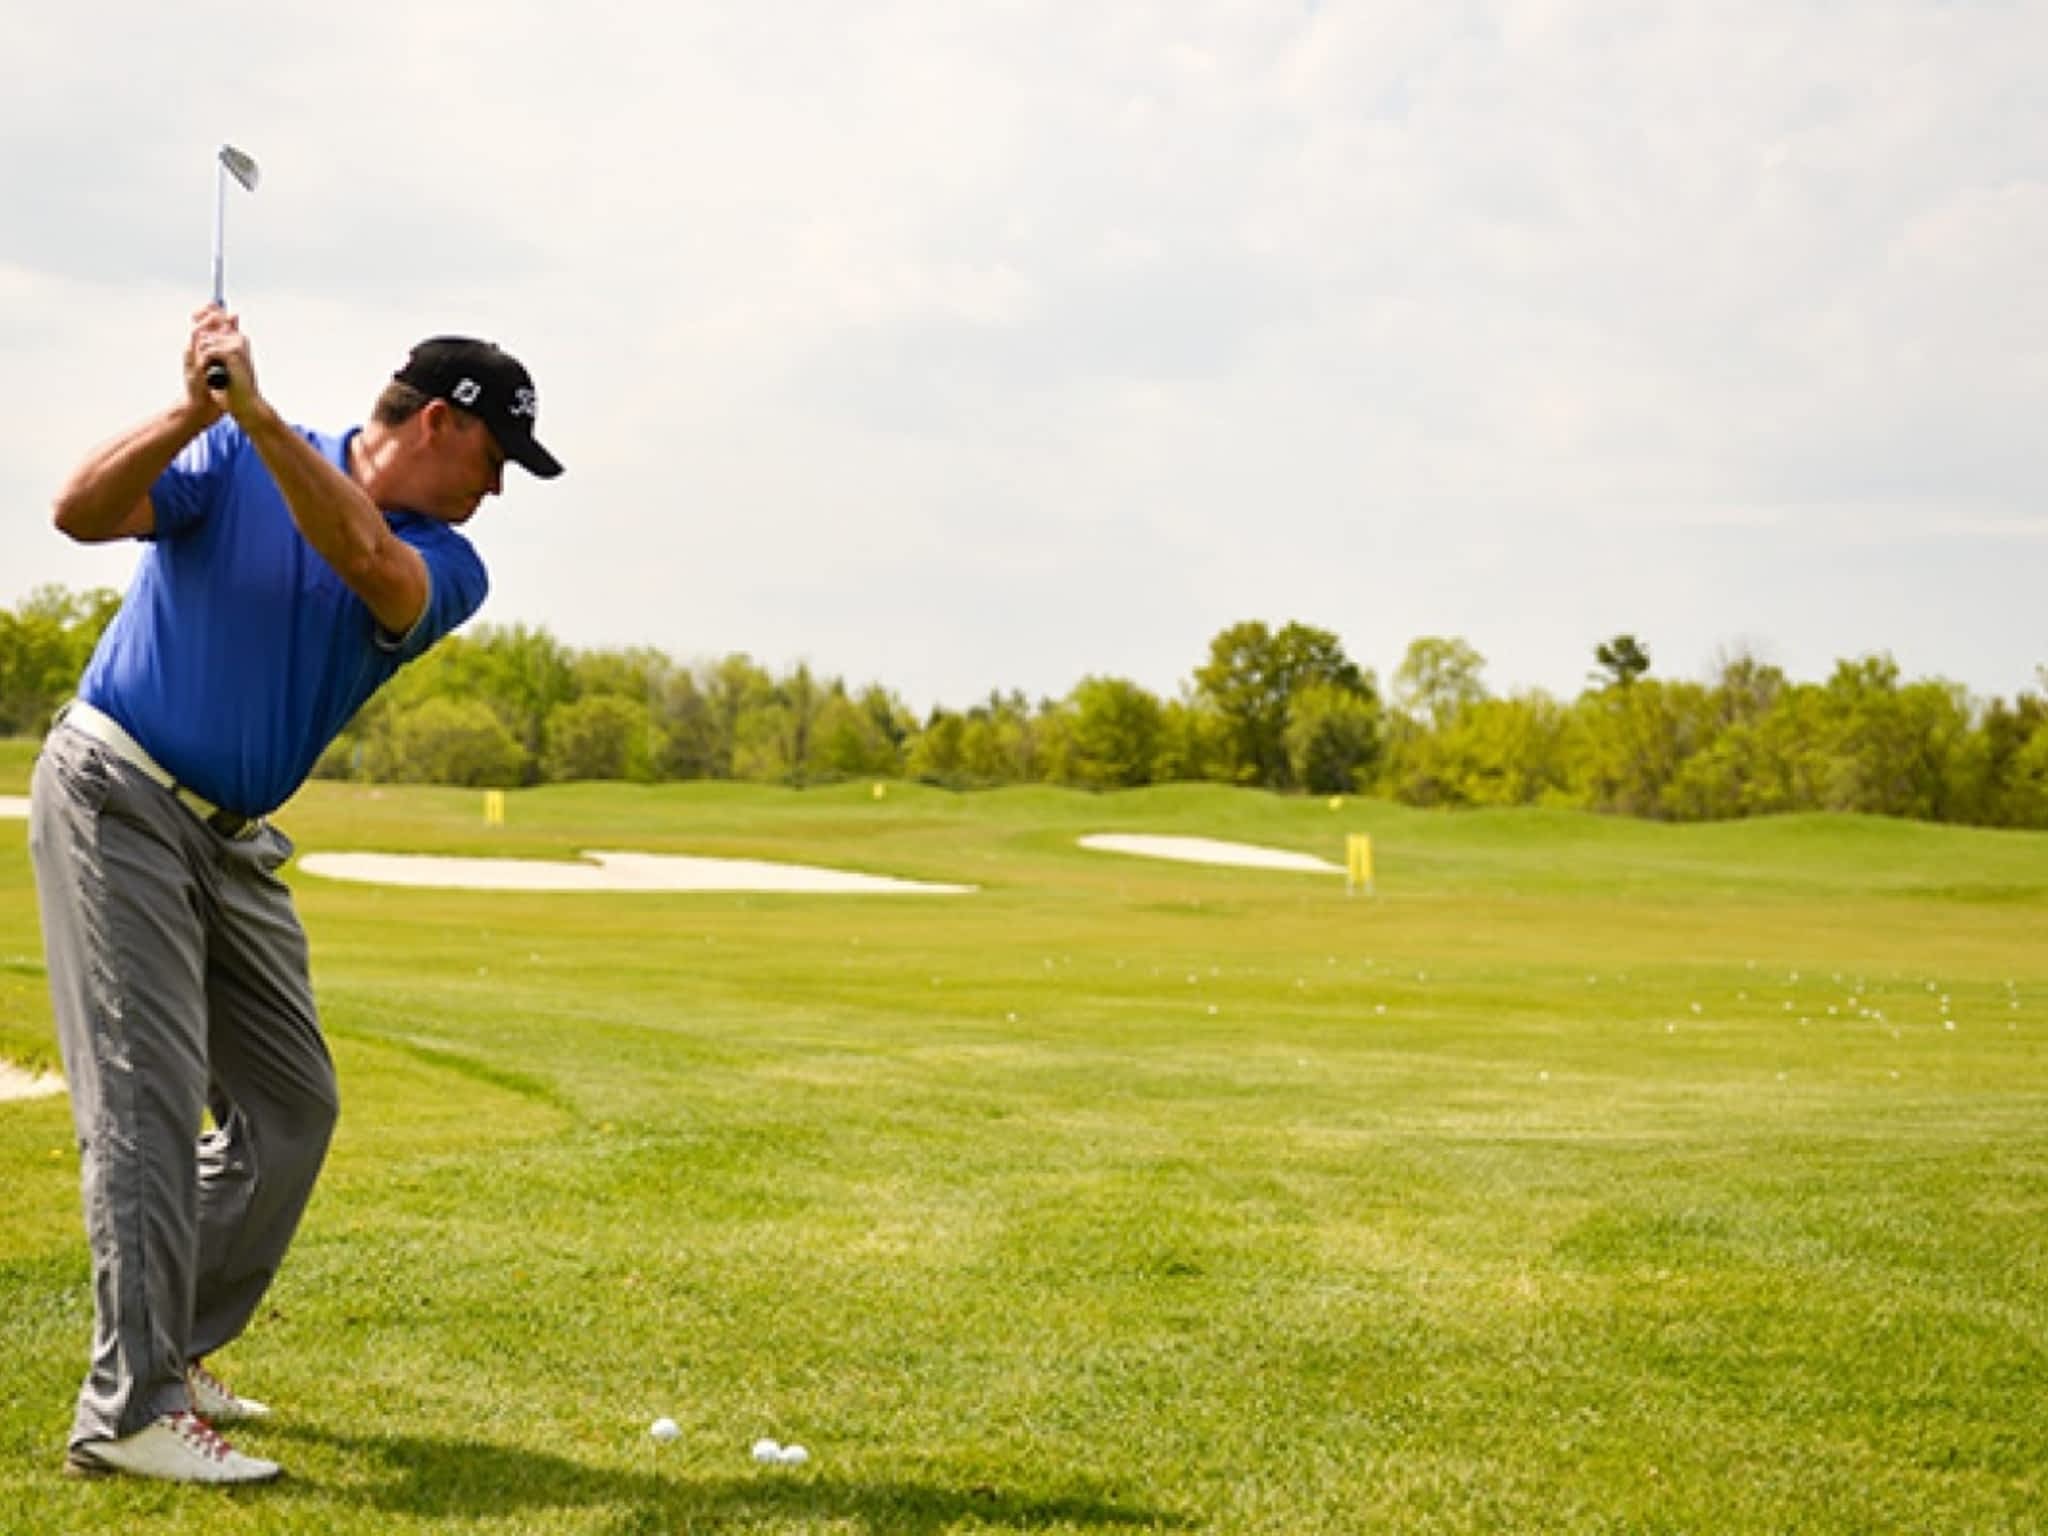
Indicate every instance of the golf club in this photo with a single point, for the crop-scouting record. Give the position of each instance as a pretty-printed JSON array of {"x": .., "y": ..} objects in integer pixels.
[{"x": 230, "y": 162}]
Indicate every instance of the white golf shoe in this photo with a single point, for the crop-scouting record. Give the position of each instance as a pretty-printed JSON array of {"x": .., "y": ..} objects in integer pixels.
[
  {"x": 177, "y": 1448},
  {"x": 216, "y": 1402}
]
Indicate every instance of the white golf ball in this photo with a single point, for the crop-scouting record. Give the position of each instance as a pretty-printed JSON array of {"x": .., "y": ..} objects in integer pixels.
[
  {"x": 664, "y": 1429},
  {"x": 767, "y": 1452},
  {"x": 794, "y": 1455}
]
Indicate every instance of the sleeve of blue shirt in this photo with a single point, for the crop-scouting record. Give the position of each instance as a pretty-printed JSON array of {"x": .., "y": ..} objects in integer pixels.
[
  {"x": 456, "y": 585},
  {"x": 183, "y": 494}
]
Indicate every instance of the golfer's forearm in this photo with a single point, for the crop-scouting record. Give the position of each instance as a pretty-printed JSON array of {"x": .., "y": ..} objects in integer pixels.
[
  {"x": 341, "y": 523},
  {"x": 107, "y": 497}
]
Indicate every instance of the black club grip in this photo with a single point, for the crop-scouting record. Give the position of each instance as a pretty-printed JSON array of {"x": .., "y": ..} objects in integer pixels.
[{"x": 216, "y": 375}]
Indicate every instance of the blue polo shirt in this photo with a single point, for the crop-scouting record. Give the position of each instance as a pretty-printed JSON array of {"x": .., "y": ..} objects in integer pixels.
[{"x": 238, "y": 654}]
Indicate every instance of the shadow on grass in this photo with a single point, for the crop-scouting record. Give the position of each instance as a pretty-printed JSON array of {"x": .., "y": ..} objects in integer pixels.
[{"x": 438, "y": 1478}]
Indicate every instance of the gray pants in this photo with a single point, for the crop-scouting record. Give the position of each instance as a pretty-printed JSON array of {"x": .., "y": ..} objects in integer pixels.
[{"x": 178, "y": 975}]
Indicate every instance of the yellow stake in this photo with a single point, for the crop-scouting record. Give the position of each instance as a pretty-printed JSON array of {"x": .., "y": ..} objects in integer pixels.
[
  {"x": 494, "y": 807},
  {"x": 1357, "y": 864}
]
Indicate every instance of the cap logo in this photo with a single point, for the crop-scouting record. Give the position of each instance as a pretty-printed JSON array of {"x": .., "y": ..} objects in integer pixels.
[
  {"x": 525, "y": 403},
  {"x": 466, "y": 393}
]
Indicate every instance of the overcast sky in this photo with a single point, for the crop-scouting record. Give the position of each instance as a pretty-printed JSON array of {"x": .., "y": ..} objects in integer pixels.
[{"x": 962, "y": 346}]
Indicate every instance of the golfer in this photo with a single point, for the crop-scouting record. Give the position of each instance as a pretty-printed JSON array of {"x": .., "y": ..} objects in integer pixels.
[{"x": 287, "y": 575}]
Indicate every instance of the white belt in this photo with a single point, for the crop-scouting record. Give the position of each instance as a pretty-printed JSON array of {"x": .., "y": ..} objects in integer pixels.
[{"x": 109, "y": 733}]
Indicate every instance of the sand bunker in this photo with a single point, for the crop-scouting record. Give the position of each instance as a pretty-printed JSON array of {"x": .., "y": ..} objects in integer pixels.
[
  {"x": 17, "y": 1084},
  {"x": 609, "y": 872},
  {"x": 1204, "y": 850},
  {"x": 15, "y": 806}
]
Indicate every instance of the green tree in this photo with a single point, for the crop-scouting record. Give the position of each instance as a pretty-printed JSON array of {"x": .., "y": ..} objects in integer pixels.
[
  {"x": 1118, "y": 728},
  {"x": 1438, "y": 677},
  {"x": 1736, "y": 773},
  {"x": 984, "y": 750},
  {"x": 1746, "y": 760},
  {"x": 687, "y": 742},
  {"x": 746, "y": 725},
  {"x": 801, "y": 698},
  {"x": 1021, "y": 732},
  {"x": 1621, "y": 660},
  {"x": 45, "y": 643},
  {"x": 1194, "y": 742},
  {"x": 2023, "y": 787},
  {"x": 523, "y": 673},
  {"x": 761, "y": 742},
  {"x": 889, "y": 714},
  {"x": 1789, "y": 760},
  {"x": 599, "y": 736},
  {"x": 1631, "y": 741},
  {"x": 1054, "y": 749},
  {"x": 936, "y": 754},
  {"x": 1333, "y": 739},
  {"x": 998, "y": 741},
  {"x": 1746, "y": 687},
  {"x": 1495, "y": 752},
  {"x": 519, "y": 674},
  {"x": 637, "y": 673},
  {"x": 850, "y": 740},
  {"x": 1251, "y": 678},
  {"x": 1896, "y": 749},
  {"x": 2015, "y": 751},
  {"x": 446, "y": 741}
]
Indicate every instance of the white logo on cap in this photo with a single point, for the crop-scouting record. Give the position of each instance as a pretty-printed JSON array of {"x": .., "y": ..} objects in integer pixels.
[
  {"x": 466, "y": 393},
  {"x": 525, "y": 403}
]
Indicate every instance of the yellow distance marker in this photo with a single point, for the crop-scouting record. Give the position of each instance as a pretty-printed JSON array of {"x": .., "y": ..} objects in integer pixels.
[
  {"x": 494, "y": 807},
  {"x": 881, "y": 790},
  {"x": 1358, "y": 864}
]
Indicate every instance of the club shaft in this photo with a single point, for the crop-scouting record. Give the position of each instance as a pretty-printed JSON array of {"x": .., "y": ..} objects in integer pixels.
[{"x": 220, "y": 218}]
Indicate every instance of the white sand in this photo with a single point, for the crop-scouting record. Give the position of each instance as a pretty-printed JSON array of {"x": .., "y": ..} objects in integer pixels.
[
  {"x": 1205, "y": 850},
  {"x": 608, "y": 872},
  {"x": 17, "y": 1084},
  {"x": 15, "y": 806}
]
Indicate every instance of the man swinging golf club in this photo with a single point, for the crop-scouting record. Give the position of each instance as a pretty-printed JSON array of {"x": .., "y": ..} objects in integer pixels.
[{"x": 289, "y": 573}]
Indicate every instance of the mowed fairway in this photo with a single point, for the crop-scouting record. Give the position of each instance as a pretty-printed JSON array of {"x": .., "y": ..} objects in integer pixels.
[{"x": 1596, "y": 1176}]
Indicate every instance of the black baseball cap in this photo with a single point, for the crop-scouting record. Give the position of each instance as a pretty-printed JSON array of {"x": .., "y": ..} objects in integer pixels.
[{"x": 490, "y": 384}]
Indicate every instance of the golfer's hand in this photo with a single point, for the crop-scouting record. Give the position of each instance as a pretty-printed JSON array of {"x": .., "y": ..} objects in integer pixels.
[{"x": 217, "y": 338}]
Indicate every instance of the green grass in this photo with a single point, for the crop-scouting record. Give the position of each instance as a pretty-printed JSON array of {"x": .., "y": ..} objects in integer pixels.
[{"x": 1563, "y": 1187}]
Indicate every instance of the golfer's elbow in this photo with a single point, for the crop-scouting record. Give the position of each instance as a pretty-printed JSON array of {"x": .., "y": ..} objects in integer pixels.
[
  {"x": 73, "y": 518},
  {"x": 87, "y": 519}
]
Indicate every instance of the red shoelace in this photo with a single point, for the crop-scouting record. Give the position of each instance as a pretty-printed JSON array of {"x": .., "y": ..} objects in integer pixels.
[
  {"x": 199, "y": 1373},
  {"x": 200, "y": 1435}
]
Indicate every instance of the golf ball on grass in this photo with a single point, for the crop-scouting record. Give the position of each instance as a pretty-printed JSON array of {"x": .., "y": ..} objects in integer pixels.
[
  {"x": 664, "y": 1429},
  {"x": 767, "y": 1452},
  {"x": 794, "y": 1456}
]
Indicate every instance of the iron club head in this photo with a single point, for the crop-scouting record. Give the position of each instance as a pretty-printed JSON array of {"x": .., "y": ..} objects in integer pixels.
[{"x": 241, "y": 166}]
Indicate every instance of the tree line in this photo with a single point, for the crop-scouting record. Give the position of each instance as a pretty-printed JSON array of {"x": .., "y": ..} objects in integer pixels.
[{"x": 1282, "y": 708}]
